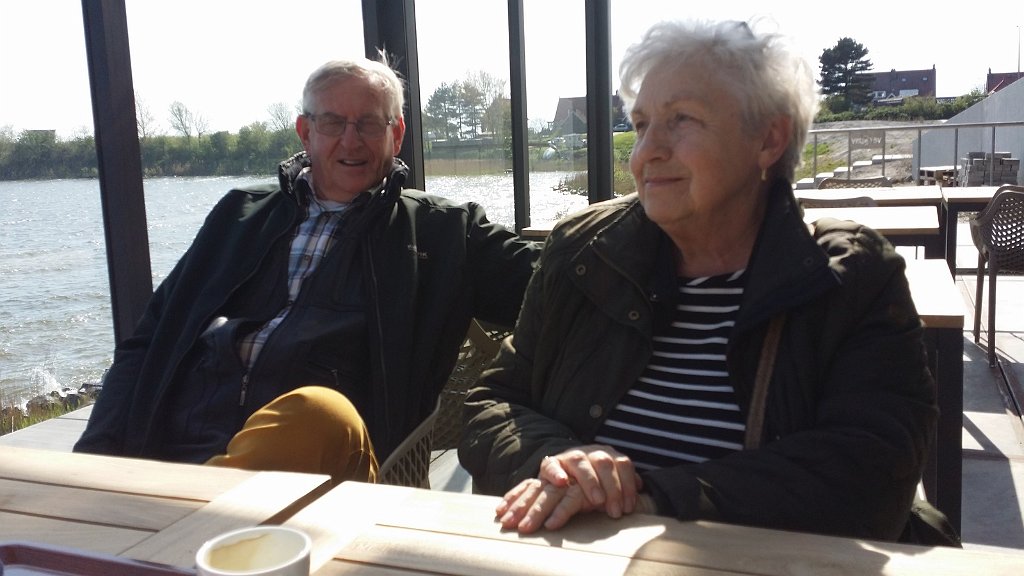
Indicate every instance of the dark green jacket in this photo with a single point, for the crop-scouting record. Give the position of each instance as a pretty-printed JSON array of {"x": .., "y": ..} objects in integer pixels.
[
  {"x": 428, "y": 265},
  {"x": 851, "y": 407}
]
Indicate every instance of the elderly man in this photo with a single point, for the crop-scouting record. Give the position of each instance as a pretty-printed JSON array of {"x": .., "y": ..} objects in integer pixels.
[{"x": 312, "y": 324}]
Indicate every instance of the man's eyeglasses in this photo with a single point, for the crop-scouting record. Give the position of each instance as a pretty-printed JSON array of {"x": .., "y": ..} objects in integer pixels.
[{"x": 333, "y": 125}]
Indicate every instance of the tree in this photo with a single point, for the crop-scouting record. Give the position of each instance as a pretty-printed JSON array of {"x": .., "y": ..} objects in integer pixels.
[
  {"x": 252, "y": 150},
  {"x": 537, "y": 126},
  {"x": 181, "y": 119},
  {"x": 144, "y": 121},
  {"x": 34, "y": 154},
  {"x": 493, "y": 90},
  {"x": 842, "y": 68},
  {"x": 442, "y": 116},
  {"x": 282, "y": 117},
  {"x": 201, "y": 124},
  {"x": 7, "y": 144},
  {"x": 471, "y": 108}
]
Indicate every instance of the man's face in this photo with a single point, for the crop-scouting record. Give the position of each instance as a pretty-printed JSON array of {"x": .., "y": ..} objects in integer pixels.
[{"x": 343, "y": 135}]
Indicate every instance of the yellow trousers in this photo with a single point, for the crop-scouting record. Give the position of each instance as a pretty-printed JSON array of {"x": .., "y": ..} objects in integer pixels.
[{"x": 310, "y": 429}]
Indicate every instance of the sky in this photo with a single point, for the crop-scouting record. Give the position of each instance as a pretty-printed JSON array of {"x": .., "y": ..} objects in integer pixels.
[{"x": 229, "y": 60}]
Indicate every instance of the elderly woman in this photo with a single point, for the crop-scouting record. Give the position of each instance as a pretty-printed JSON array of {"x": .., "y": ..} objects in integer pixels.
[{"x": 694, "y": 349}]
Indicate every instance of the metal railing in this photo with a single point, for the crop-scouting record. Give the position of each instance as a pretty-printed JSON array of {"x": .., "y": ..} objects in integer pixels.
[{"x": 864, "y": 138}]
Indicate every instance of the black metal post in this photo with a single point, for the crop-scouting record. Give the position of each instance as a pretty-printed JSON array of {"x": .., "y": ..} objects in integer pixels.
[
  {"x": 599, "y": 100},
  {"x": 520, "y": 133},
  {"x": 120, "y": 164},
  {"x": 390, "y": 25}
]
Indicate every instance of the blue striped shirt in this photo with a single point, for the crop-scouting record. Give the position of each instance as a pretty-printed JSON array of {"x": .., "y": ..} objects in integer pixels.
[{"x": 683, "y": 409}]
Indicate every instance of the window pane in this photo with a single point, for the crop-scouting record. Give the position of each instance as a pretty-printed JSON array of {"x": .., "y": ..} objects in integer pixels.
[
  {"x": 218, "y": 87},
  {"x": 226, "y": 62},
  {"x": 45, "y": 74},
  {"x": 464, "y": 71},
  {"x": 556, "y": 85},
  {"x": 53, "y": 283}
]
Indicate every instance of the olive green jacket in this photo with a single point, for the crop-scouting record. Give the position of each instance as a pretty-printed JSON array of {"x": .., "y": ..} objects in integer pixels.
[{"x": 851, "y": 406}]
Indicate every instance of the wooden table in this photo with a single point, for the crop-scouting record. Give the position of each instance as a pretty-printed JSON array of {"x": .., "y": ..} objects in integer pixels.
[
  {"x": 538, "y": 230},
  {"x": 376, "y": 529},
  {"x": 901, "y": 225},
  {"x": 139, "y": 509},
  {"x": 941, "y": 309},
  {"x": 959, "y": 199}
]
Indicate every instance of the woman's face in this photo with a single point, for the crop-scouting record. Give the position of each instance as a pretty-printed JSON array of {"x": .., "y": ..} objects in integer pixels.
[{"x": 693, "y": 160}]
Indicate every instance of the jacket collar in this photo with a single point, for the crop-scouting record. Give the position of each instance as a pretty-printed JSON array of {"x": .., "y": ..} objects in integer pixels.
[
  {"x": 289, "y": 170},
  {"x": 787, "y": 266}
]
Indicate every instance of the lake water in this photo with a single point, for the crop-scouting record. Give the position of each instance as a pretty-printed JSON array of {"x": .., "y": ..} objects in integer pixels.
[{"x": 55, "y": 320}]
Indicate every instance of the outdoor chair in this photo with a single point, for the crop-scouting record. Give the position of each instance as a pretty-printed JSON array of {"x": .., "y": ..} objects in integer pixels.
[
  {"x": 409, "y": 464},
  {"x": 837, "y": 202},
  {"x": 998, "y": 234},
  {"x": 840, "y": 182}
]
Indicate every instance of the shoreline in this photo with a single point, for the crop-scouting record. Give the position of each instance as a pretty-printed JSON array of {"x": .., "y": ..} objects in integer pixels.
[{"x": 46, "y": 406}]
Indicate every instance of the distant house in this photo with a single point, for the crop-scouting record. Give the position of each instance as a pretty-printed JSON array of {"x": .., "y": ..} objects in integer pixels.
[
  {"x": 895, "y": 85},
  {"x": 571, "y": 115},
  {"x": 999, "y": 80}
]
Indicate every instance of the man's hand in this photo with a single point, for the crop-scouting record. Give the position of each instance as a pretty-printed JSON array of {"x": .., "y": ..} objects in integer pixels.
[{"x": 593, "y": 477}]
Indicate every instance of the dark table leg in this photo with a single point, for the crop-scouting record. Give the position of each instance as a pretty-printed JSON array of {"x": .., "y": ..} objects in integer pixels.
[
  {"x": 949, "y": 223},
  {"x": 944, "y": 473}
]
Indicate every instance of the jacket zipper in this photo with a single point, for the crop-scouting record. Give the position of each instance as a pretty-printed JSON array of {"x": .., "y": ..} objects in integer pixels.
[
  {"x": 380, "y": 332},
  {"x": 245, "y": 388}
]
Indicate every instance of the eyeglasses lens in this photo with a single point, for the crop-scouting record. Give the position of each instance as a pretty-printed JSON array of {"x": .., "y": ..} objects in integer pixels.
[{"x": 331, "y": 125}]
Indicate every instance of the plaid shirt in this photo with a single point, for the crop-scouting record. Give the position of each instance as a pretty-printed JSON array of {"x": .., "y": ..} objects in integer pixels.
[{"x": 313, "y": 238}]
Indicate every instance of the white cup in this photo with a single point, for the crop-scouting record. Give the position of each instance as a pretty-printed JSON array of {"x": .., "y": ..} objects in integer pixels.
[{"x": 256, "y": 551}]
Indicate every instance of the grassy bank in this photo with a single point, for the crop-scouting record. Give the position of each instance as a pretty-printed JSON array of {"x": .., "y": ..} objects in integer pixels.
[{"x": 13, "y": 418}]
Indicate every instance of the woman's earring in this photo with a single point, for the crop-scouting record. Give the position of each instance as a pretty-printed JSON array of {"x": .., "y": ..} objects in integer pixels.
[{"x": 764, "y": 174}]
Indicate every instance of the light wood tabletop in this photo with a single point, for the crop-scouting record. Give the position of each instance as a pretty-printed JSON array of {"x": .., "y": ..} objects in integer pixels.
[
  {"x": 140, "y": 509},
  {"x": 975, "y": 196},
  {"x": 901, "y": 225},
  {"x": 936, "y": 297},
  {"x": 887, "y": 220},
  {"x": 538, "y": 230},
  {"x": 375, "y": 529}
]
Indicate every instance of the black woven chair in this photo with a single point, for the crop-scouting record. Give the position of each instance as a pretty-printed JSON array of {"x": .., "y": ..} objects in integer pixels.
[
  {"x": 840, "y": 182},
  {"x": 481, "y": 346},
  {"x": 998, "y": 234},
  {"x": 838, "y": 202},
  {"x": 409, "y": 464}
]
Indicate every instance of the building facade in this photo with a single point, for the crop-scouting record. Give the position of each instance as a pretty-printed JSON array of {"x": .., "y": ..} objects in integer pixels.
[{"x": 900, "y": 84}]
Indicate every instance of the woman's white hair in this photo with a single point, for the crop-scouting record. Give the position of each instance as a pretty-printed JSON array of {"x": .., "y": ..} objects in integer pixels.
[
  {"x": 378, "y": 73},
  {"x": 767, "y": 77}
]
